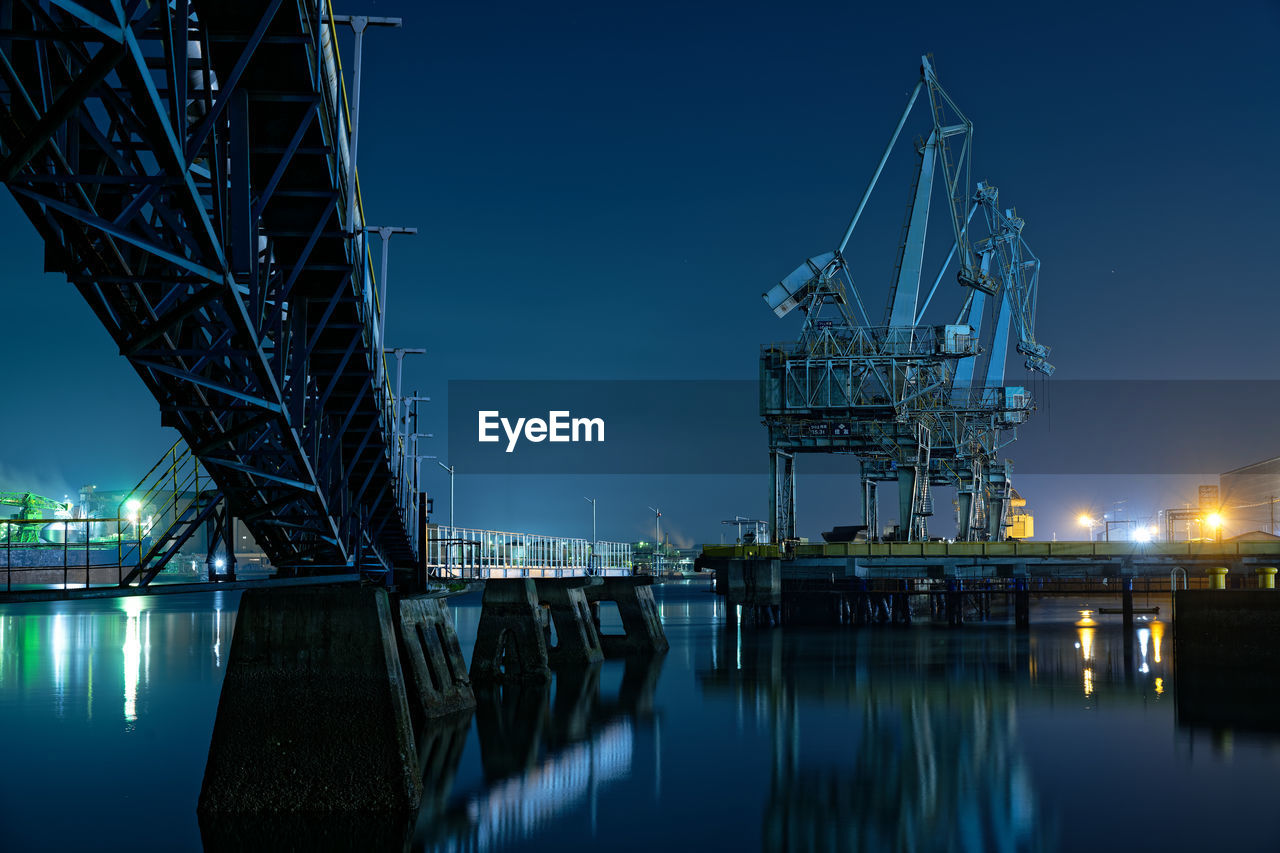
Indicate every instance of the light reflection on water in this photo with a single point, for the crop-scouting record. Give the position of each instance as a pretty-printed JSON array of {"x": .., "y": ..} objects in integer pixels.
[{"x": 739, "y": 738}]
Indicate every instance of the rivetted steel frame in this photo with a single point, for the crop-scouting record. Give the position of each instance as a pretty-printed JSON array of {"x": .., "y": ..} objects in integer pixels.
[{"x": 183, "y": 164}]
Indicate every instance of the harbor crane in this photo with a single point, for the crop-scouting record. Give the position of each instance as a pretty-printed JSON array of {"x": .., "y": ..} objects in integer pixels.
[{"x": 922, "y": 405}]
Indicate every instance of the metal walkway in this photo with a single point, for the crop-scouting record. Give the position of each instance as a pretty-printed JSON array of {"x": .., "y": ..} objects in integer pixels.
[
  {"x": 464, "y": 554},
  {"x": 188, "y": 166}
]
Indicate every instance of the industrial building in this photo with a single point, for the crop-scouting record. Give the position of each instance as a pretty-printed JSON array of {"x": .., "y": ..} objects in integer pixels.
[{"x": 1249, "y": 496}]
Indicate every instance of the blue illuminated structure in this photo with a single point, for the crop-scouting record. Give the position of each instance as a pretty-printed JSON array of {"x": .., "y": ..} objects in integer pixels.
[
  {"x": 190, "y": 167},
  {"x": 898, "y": 394}
]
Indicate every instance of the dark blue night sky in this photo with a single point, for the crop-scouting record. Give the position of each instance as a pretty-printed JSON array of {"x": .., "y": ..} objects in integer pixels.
[{"x": 603, "y": 191}]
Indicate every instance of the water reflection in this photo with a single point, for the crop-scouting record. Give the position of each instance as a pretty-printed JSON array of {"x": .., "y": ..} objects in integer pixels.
[
  {"x": 929, "y": 758},
  {"x": 545, "y": 751},
  {"x": 982, "y": 739},
  {"x": 85, "y": 653}
]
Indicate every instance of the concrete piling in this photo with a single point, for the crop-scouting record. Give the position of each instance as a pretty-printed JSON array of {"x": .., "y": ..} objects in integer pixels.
[
  {"x": 433, "y": 658},
  {"x": 511, "y": 642},
  {"x": 577, "y": 641},
  {"x": 313, "y": 716},
  {"x": 641, "y": 622}
]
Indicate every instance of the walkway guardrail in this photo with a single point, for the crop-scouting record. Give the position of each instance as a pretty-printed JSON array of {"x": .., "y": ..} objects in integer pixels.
[
  {"x": 463, "y": 553},
  {"x": 70, "y": 552}
]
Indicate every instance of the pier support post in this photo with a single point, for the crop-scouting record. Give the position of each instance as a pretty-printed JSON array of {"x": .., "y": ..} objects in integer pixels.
[
  {"x": 577, "y": 642},
  {"x": 902, "y": 603},
  {"x": 1021, "y": 604},
  {"x": 313, "y": 716},
  {"x": 641, "y": 623},
  {"x": 511, "y": 643},
  {"x": 1127, "y": 602},
  {"x": 430, "y": 648},
  {"x": 1267, "y": 577},
  {"x": 955, "y": 598}
]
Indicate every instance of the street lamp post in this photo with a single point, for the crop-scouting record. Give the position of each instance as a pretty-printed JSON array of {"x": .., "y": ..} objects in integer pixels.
[
  {"x": 592, "y": 501},
  {"x": 449, "y": 468},
  {"x": 657, "y": 537},
  {"x": 1214, "y": 521}
]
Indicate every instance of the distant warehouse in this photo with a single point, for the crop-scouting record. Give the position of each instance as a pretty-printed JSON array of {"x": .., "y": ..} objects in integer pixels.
[{"x": 1249, "y": 496}]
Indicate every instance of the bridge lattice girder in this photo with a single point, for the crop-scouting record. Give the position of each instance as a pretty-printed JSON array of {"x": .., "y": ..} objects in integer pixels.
[{"x": 185, "y": 166}]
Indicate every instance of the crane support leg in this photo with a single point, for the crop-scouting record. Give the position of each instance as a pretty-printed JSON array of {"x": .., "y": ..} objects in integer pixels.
[
  {"x": 870, "y": 509},
  {"x": 782, "y": 499},
  {"x": 964, "y": 515},
  {"x": 906, "y": 502}
]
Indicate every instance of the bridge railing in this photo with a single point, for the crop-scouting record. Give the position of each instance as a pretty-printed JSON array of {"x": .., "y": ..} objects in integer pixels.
[
  {"x": 342, "y": 125},
  {"x": 463, "y": 553},
  {"x": 69, "y": 552}
]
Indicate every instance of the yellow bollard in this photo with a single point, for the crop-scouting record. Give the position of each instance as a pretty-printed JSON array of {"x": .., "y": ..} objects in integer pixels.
[
  {"x": 1218, "y": 577},
  {"x": 1267, "y": 577}
]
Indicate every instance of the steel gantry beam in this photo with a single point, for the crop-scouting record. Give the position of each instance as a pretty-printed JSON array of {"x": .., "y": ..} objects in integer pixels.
[{"x": 188, "y": 165}]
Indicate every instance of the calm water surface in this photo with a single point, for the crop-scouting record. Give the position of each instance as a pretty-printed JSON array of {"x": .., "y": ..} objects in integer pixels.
[{"x": 739, "y": 739}]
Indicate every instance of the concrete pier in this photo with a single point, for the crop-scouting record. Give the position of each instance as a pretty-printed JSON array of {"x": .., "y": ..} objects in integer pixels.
[
  {"x": 751, "y": 581},
  {"x": 432, "y": 655},
  {"x": 511, "y": 641},
  {"x": 1227, "y": 659},
  {"x": 577, "y": 643},
  {"x": 514, "y": 641},
  {"x": 313, "y": 715},
  {"x": 641, "y": 623}
]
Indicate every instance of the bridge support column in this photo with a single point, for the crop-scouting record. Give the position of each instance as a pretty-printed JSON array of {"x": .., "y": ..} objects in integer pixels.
[
  {"x": 641, "y": 623},
  {"x": 577, "y": 642},
  {"x": 430, "y": 648},
  {"x": 313, "y": 717},
  {"x": 511, "y": 642}
]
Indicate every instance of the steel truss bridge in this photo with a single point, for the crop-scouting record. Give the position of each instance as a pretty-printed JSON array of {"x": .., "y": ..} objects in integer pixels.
[{"x": 190, "y": 167}]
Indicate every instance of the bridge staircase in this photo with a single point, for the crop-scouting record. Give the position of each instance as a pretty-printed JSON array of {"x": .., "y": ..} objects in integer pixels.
[{"x": 167, "y": 507}]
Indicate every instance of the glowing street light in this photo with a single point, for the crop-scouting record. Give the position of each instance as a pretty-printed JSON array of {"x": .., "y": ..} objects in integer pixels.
[{"x": 1086, "y": 521}]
